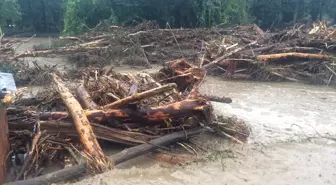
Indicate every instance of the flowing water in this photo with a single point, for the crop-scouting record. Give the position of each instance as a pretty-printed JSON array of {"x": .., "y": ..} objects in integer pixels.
[
  {"x": 290, "y": 124},
  {"x": 288, "y": 146}
]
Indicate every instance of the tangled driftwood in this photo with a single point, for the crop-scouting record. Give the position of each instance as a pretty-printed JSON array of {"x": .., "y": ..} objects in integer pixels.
[{"x": 161, "y": 108}]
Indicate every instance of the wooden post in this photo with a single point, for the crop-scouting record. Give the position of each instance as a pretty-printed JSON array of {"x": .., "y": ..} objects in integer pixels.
[{"x": 4, "y": 146}]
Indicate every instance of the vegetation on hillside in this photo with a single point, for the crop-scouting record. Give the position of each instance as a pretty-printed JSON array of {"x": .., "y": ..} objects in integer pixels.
[{"x": 75, "y": 16}]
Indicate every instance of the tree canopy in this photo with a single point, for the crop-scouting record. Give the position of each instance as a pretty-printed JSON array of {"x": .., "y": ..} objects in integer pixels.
[{"x": 75, "y": 16}]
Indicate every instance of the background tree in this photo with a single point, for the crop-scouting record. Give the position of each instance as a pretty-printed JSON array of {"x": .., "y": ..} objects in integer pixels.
[
  {"x": 75, "y": 16},
  {"x": 41, "y": 15},
  {"x": 9, "y": 12}
]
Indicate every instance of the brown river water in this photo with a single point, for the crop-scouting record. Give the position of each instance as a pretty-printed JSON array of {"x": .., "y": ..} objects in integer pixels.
[{"x": 289, "y": 144}]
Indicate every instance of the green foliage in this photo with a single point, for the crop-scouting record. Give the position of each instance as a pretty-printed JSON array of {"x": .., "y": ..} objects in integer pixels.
[
  {"x": 220, "y": 12},
  {"x": 41, "y": 15},
  {"x": 73, "y": 22},
  {"x": 178, "y": 13},
  {"x": 277, "y": 13},
  {"x": 75, "y": 16},
  {"x": 9, "y": 11},
  {"x": 80, "y": 15}
]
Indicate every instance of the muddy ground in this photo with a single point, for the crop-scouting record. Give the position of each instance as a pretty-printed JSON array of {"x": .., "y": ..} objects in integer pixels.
[{"x": 288, "y": 121}]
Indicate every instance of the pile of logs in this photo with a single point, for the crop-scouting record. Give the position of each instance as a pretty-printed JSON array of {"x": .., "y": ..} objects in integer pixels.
[
  {"x": 148, "y": 112},
  {"x": 142, "y": 111},
  {"x": 300, "y": 53},
  {"x": 297, "y": 54}
]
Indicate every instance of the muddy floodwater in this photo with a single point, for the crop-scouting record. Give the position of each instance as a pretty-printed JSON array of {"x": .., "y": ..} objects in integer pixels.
[
  {"x": 290, "y": 124},
  {"x": 293, "y": 126}
]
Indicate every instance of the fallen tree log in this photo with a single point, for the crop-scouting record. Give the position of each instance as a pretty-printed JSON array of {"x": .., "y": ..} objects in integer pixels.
[
  {"x": 151, "y": 116},
  {"x": 80, "y": 170},
  {"x": 97, "y": 161},
  {"x": 101, "y": 132},
  {"x": 140, "y": 96},
  {"x": 293, "y": 55},
  {"x": 58, "y": 51},
  {"x": 84, "y": 98}
]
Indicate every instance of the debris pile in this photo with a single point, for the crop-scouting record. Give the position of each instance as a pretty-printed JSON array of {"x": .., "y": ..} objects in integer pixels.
[
  {"x": 130, "y": 109},
  {"x": 144, "y": 111},
  {"x": 295, "y": 55},
  {"x": 243, "y": 52}
]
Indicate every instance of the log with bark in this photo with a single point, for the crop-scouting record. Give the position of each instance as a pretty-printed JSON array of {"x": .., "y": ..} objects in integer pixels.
[
  {"x": 293, "y": 56},
  {"x": 152, "y": 116},
  {"x": 85, "y": 98}
]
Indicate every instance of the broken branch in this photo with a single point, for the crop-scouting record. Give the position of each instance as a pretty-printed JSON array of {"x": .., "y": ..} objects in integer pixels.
[{"x": 140, "y": 96}]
